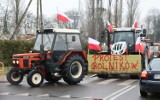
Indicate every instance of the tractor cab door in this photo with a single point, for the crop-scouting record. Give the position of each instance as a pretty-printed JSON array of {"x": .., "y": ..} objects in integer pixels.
[{"x": 64, "y": 43}]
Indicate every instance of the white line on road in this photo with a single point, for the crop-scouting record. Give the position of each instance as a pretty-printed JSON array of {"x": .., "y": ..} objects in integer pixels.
[
  {"x": 4, "y": 93},
  {"x": 119, "y": 91},
  {"x": 127, "y": 82},
  {"x": 89, "y": 80},
  {"x": 107, "y": 81},
  {"x": 66, "y": 96},
  {"x": 43, "y": 95},
  {"x": 23, "y": 94},
  {"x": 113, "y": 98}
]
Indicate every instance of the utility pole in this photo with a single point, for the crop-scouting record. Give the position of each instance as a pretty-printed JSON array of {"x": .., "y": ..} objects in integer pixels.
[
  {"x": 37, "y": 26},
  {"x": 99, "y": 18}
]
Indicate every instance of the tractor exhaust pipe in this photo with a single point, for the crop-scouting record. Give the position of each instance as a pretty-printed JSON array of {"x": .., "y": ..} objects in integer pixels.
[{"x": 42, "y": 31}]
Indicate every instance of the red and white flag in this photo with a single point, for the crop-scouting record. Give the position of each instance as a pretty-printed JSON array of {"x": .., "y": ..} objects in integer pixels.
[
  {"x": 93, "y": 44},
  {"x": 135, "y": 24},
  {"x": 138, "y": 44},
  {"x": 61, "y": 17},
  {"x": 110, "y": 28}
]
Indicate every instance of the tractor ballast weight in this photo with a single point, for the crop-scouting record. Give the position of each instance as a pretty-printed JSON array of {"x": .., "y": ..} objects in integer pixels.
[{"x": 60, "y": 56}]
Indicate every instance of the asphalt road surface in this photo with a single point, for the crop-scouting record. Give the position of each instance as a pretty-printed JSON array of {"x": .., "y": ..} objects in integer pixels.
[{"x": 91, "y": 88}]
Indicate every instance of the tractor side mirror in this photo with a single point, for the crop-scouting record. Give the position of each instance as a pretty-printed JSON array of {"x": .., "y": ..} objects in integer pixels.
[{"x": 73, "y": 38}]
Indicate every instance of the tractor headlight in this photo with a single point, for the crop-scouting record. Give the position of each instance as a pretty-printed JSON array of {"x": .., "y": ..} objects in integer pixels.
[
  {"x": 17, "y": 62},
  {"x": 14, "y": 61}
]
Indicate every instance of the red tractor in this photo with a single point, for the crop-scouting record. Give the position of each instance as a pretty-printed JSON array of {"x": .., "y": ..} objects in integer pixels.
[
  {"x": 60, "y": 55},
  {"x": 122, "y": 41},
  {"x": 130, "y": 41}
]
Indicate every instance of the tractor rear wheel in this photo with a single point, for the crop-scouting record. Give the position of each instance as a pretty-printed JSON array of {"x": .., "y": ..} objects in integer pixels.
[
  {"x": 14, "y": 77},
  {"x": 73, "y": 70},
  {"x": 51, "y": 78},
  {"x": 35, "y": 78}
]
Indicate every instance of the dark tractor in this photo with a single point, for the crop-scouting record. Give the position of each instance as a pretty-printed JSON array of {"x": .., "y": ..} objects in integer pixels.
[{"x": 60, "y": 55}]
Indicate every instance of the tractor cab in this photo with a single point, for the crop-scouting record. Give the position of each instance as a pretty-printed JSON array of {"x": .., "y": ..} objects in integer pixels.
[{"x": 59, "y": 39}]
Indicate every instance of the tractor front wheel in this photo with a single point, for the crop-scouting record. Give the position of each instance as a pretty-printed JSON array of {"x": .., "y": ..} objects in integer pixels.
[
  {"x": 73, "y": 70},
  {"x": 14, "y": 77},
  {"x": 35, "y": 78}
]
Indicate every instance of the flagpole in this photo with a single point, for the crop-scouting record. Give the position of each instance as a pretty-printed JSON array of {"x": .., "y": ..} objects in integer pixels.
[{"x": 57, "y": 19}]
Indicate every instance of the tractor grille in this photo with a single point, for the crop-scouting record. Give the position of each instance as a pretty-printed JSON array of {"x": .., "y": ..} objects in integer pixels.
[{"x": 25, "y": 63}]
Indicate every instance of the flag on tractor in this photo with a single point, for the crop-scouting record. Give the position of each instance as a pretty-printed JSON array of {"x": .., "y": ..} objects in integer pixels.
[
  {"x": 93, "y": 44},
  {"x": 61, "y": 17}
]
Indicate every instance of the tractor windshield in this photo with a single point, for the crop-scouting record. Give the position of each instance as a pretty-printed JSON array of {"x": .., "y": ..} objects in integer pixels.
[
  {"x": 123, "y": 36},
  {"x": 47, "y": 42}
]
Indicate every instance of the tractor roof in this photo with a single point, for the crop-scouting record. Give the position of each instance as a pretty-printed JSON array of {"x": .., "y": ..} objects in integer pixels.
[
  {"x": 124, "y": 29},
  {"x": 59, "y": 30},
  {"x": 127, "y": 29}
]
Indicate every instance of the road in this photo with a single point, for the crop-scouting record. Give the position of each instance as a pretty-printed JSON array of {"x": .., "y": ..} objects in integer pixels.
[{"x": 91, "y": 88}]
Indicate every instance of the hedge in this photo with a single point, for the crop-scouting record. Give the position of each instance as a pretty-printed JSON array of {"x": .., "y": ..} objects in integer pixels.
[{"x": 10, "y": 47}]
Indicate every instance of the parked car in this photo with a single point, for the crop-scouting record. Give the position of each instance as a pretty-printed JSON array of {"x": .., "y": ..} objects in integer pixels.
[{"x": 150, "y": 78}]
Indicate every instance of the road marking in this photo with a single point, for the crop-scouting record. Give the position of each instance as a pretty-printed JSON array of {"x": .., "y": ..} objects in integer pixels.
[
  {"x": 94, "y": 75},
  {"x": 113, "y": 98},
  {"x": 119, "y": 91},
  {"x": 23, "y": 94},
  {"x": 89, "y": 80},
  {"x": 66, "y": 96},
  {"x": 43, "y": 95},
  {"x": 127, "y": 82},
  {"x": 88, "y": 98},
  {"x": 4, "y": 93},
  {"x": 107, "y": 81}
]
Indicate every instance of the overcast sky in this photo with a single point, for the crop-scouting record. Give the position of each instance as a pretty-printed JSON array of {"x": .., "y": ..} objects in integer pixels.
[{"x": 50, "y": 7}]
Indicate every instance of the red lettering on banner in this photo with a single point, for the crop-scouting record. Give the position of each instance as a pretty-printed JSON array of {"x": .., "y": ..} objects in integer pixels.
[
  {"x": 93, "y": 65},
  {"x": 115, "y": 57},
  {"x": 120, "y": 58},
  {"x": 95, "y": 57},
  {"x": 111, "y": 66},
  {"x": 134, "y": 66},
  {"x": 101, "y": 58},
  {"x": 121, "y": 65},
  {"x": 127, "y": 66},
  {"x": 113, "y": 63},
  {"x": 100, "y": 66},
  {"x": 106, "y": 58}
]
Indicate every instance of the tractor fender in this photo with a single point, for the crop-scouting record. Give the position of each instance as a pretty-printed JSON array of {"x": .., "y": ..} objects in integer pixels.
[{"x": 81, "y": 53}]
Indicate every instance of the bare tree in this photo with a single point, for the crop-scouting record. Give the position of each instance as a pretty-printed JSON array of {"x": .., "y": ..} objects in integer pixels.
[
  {"x": 132, "y": 13},
  {"x": 90, "y": 18},
  {"x": 153, "y": 24}
]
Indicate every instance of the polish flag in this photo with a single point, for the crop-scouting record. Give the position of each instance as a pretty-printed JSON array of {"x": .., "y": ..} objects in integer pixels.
[
  {"x": 135, "y": 24},
  {"x": 93, "y": 44},
  {"x": 61, "y": 17},
  {"x": 138, "y": 44},
  {"x": 110, "y": 28}
]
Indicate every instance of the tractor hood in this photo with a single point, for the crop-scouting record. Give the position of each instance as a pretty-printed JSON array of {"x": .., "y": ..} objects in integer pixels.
[{"x": 27, "y": 55}]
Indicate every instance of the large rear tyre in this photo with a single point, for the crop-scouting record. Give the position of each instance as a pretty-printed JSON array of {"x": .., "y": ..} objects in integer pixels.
[
  {"x": 14, "y": 77},
  {"x": 143, "y": 93},
  {"x": 35, "y": 78},
  {"x": 51, "y": 78},
  {"x": 73, "y": 70}
]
